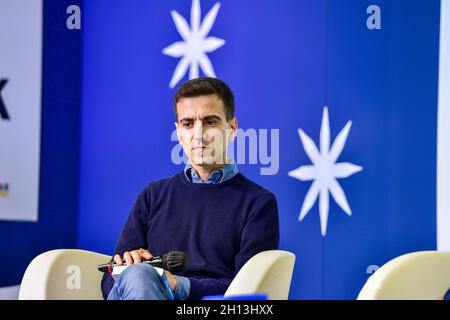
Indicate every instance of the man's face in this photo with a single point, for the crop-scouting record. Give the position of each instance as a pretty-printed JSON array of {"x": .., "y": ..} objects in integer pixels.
[{"x": 202, "y": 129}]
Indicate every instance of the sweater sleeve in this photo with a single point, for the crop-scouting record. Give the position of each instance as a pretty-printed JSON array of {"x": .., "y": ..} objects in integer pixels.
[
  {"x": 132, "y": 237},
  {"x": 201, "y": 287},
  {"x": 260, "y": 233}
]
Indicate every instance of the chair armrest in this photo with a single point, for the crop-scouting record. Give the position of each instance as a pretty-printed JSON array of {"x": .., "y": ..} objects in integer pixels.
[
  {"x": 64, "y": 274},
  {"x": 423, "y": 275},
  {"x": 268, "y": 272}
]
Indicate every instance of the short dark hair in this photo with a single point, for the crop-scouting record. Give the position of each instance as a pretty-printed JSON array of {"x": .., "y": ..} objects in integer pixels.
[{"x": 205, "y": 86}]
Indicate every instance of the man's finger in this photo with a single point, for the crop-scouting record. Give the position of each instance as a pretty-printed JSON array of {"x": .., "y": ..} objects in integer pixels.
[
  {"x": 128, "y": 258},
  {"x": 118, "y": 259},
  {"x": 136, "y": 256},
  {"x": 145, "y": 254},
  {"x": 148, "y": 255}
]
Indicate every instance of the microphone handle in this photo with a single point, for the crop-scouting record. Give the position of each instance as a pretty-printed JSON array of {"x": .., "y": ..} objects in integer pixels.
[{"x": 108, "y": 267}]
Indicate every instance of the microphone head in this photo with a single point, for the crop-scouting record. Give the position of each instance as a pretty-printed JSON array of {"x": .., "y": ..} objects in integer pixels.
[{"x": 175, "y": 261}]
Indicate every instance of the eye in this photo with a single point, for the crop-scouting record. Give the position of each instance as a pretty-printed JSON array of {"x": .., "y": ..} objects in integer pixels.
[
  {"x": 211, "y": 122},
  {"x": 187, "y": 125}
]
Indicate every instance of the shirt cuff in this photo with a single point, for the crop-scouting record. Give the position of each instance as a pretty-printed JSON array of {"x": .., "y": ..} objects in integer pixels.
[{"x": 182, "y": 289}]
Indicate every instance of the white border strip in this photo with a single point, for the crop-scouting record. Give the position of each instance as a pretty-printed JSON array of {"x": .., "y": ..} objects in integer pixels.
[{"x": 443, "y": 133}]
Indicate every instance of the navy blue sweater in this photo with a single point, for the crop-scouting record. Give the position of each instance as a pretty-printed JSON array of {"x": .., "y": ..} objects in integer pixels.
[{"x": 219, "y": 226}]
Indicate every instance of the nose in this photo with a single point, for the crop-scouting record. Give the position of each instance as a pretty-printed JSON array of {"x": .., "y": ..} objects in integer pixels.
[{"x": 198, "y": 131}]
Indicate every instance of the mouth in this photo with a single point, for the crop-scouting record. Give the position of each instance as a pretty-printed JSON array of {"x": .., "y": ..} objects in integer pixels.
[{"x": 200, "y": 148}]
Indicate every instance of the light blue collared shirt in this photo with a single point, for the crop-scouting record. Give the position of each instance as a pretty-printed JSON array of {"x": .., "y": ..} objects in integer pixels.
[{"x": 228, "y": 171}]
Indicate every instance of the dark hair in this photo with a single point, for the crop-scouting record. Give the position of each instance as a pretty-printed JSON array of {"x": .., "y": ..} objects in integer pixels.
[{"x": 205, "y": 86}]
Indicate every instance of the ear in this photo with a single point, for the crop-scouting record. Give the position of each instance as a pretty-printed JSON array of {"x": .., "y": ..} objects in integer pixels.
[
  {"x": 233, "y": 127},
  {"x": 178, "y": 132}
]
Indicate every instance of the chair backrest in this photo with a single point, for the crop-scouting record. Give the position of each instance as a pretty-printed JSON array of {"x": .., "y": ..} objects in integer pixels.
[
  {"x": 420, "y": 275},
  {"x": 268, "y": 272},
  {"x": 63, "y": 274}
]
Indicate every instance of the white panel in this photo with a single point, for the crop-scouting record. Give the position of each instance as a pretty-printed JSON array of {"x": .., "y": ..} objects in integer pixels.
[
  {"x": 20, "y": 63},
  {"x": 443, "y": 161}
]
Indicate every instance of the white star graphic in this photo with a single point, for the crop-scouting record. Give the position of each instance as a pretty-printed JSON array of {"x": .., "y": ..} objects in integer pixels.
[
  {"x": 324, "y": 171},
  {"x": 196, "y": 44}
]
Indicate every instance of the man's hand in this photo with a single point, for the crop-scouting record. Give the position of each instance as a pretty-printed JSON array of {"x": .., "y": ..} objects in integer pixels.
[
  {"x": 172, "y": 280},
  {"x": 135, "y": 256}
]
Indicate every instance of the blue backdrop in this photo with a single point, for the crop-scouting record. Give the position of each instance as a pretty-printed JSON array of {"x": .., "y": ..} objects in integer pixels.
[{"x": 285, "y": 61}]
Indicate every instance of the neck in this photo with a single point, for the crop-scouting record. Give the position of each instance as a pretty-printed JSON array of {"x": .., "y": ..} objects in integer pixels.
[{"x": 204, "y": 171}]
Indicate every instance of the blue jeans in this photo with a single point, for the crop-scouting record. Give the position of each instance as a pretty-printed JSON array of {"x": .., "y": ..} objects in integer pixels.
[{"x": 142, "y": 282}]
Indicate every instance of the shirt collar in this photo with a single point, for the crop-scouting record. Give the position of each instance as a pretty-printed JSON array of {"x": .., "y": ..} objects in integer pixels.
[{"x": 222, "y": 174}]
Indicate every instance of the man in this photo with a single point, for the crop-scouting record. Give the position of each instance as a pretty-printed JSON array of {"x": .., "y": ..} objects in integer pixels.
[{"x": 211, "y": 211}]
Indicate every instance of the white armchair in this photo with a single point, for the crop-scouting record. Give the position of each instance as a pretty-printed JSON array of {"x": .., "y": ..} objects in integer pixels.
[
  {"x": 63, "y": 275},
  {"x": 72, "y": 275},
  {"x": 268, "y": 272},
  {"x": 421, "y": 275}
]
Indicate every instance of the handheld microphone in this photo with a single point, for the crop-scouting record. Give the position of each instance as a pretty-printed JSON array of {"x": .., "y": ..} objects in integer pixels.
[{"x": 173, "y": 261}]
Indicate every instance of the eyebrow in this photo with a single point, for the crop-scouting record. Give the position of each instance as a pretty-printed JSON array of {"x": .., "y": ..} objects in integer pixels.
[
  {"x": 212, "y": 117},
  {"x": 208, "y": 117}
]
